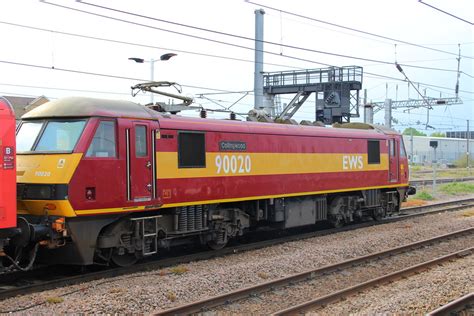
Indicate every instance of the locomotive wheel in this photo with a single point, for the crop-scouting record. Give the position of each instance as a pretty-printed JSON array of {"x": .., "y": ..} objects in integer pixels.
[
  {"x": 335, "y": 215},
  {"x": 124, "y": 260},
  {"x": 378, "y": 214},
  {"x": 219, "y": 242},
  {"x": 216, "y": 246},
  {"x": 337, "y": 222}
]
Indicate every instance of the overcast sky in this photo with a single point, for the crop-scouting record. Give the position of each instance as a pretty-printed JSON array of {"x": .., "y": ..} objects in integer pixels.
[{"x": 205, "y": 66}]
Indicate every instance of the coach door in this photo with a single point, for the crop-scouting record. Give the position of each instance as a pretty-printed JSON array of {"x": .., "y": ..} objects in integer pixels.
[
  {"x": 392, "y": 160},
  {"x": 141, "y": 162}
]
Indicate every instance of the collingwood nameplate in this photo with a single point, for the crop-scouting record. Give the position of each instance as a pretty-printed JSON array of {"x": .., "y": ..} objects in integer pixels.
[{"x": 232, "y": 146}]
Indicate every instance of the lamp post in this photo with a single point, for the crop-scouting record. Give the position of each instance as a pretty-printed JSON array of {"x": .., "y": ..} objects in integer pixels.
[{"x": 152, "y": 61}]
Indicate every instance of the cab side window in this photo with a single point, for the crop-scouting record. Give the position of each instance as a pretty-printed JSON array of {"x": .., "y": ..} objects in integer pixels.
[
  {"x": 403, "y": 153},
  {"x": 103, "y": 144},
  {"x": 140, "y": 141}
]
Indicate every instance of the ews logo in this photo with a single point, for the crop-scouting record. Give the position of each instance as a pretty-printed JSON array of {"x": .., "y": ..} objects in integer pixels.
[{"x": 351, "y": 162}]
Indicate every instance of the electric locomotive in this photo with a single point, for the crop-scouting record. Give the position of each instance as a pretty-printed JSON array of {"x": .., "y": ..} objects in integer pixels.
[{"x": 114, "y": 181}]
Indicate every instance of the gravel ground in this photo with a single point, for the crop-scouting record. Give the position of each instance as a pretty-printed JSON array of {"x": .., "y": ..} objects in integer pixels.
[
  {"x": 149, "y": 291},
  {"x": 322, "y": 285},
  {"x": 416, "y": 295}
]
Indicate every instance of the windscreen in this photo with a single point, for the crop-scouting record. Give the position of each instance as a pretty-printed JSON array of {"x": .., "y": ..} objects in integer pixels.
[{"x": 49, "y": 136}]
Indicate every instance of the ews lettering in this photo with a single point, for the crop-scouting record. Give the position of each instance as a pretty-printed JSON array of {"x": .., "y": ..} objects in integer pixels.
[{"x": 351, "y": 162}]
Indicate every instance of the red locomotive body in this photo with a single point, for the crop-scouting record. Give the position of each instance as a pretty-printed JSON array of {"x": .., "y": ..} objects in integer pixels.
[{"x": 117, "y": 181}]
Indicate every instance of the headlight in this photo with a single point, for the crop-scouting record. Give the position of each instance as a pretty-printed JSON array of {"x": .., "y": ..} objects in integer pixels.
[
  {"x": 38, "y": 192},
  {"x": 42, "y": 191}
]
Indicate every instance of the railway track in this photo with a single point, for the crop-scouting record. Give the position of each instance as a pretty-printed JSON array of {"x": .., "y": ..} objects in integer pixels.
[
  {"x": 461, "y": 306},
  {"x": 54, "y": 277},
  {"x": 423, "y": 182},
  {"x": 272, "y": 297}
]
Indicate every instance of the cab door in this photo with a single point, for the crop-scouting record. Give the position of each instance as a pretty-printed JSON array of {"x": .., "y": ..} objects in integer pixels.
[
  {"x": 141, "y": 162},
  {"x": 393, "y": 160}
]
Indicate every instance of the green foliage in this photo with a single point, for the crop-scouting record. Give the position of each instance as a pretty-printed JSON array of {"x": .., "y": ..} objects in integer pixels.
[
  {"x": 423, "y": 195},
  {"x": 415, "y": 168},
  {"x": 458, "y": 188},
  {"x": 409, "y": 130},
  {"x": 462, "y": 162},
  {"x": 438, "y": 134}
]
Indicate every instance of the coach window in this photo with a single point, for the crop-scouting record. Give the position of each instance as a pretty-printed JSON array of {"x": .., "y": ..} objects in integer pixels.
[
  {"x": 140, "y": 141},
  {"x": 373, "y": 152},
  {"x": 103, "y": 143},
  {"x": 191, "y": 150}
]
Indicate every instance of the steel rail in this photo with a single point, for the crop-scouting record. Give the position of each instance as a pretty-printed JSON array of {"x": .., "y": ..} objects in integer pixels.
[
  {"x": 205, "y": 304},
  {"x": 422, "y": 182},
  {"x": 332, "y": 297},
  {"x": 454, "y": 307},
  {"x": 81, "y": 277},
  {"x": 443, "y": 206}
]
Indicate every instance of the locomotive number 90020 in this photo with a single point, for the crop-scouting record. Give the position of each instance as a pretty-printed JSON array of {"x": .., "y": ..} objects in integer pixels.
[{"x": 233, "y": 164}]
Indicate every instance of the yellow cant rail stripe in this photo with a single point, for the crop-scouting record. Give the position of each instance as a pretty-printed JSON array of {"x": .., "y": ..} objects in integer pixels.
[
  {"x": 242, "y": 164},
  {"x": 56, "y": 168},
  {"x": 110, "y": 210}
]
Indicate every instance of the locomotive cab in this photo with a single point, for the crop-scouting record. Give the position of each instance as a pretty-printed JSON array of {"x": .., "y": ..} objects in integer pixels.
[{"x": 81, "y": 168}]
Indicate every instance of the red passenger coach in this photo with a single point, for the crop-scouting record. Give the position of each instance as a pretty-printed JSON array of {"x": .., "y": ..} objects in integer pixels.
[{"x": 7, "y": 166}]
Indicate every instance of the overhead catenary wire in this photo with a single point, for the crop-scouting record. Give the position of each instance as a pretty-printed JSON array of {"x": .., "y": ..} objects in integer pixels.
[
  {"x": 445, "y": 12},
  {"x": 62, "y": 89},
  {"x": 313, "y": 61},
  {"x": 252, "y": 39},
  {"x": 181, "y": 33},
  {"x": 184, "y": 51},
  {"x": 137, "y": 44},
  {"x": 184, "y": 85},
  {"x": 354, "y": 29},
  {"x": 101, "y": 74},
  {"x": 227, "y": 43}
]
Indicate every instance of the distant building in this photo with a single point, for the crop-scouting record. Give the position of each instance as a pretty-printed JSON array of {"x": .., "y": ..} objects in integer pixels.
[
  {"x": 460, "y": 134},
  {"x": 21, "y": 105},
  {"x": 449, "y": 149}
]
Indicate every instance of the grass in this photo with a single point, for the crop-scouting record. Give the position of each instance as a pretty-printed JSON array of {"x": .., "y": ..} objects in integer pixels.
[
  {"x": 55, "y": 300},
  {"x": 412, "y": 202},
  {"x": 179, "y": 270},
  {"x": 415, "y": 168},
  {"x": 457, "y": 188},
  {"x": 116, "y": 290},
  {"x": 468, "y": 213},
  {"x": 418, "y": 172},
  {"x": 171, "y": 296},
  {"x": 423, "y": 195}
]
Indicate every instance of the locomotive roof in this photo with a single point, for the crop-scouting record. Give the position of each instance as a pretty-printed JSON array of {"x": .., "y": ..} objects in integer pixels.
[
  {"x": 88, "y": 107},
  {"x": 177, "y": 122},
  {"x": 85, "y": 107}
]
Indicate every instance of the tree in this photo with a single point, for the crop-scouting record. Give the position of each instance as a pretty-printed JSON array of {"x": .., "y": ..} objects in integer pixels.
[
  {"x": 438, "y": 134},
  {"x": 411, "y": 130}
]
